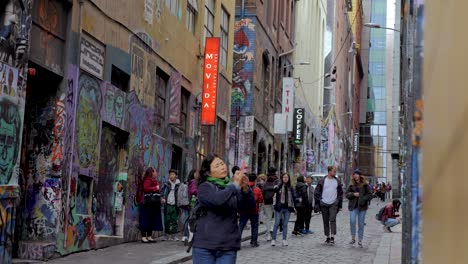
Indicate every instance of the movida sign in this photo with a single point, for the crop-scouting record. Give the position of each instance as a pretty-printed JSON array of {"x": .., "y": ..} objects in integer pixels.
[{"x": 210, "y": 82}]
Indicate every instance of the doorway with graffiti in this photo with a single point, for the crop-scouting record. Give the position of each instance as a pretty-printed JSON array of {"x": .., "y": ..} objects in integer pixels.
[
  {"x": 110, "y": 186},
  {"x": 41, "y": 163}
]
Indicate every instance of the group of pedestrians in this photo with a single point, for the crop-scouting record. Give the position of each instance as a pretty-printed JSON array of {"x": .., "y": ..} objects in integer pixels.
[
  {"x": 217, "y": 208},
  {"x": 169, "y": 203}
]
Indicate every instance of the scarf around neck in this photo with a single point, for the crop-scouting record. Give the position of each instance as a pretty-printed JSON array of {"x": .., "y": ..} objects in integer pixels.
[
  {"x": 220, "y": 182},
  {"x": 286, "y": 196}
]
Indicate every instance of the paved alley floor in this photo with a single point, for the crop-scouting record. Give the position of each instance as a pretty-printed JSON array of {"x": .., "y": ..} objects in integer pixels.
[{"x": 379, "y": 247}]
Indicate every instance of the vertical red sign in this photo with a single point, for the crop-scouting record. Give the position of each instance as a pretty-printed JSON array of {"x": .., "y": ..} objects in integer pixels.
[{"x": 210, "y": 82}]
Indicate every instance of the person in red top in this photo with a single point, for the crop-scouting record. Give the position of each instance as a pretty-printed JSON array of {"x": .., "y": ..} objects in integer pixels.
[
  {"x": 252, "y": 215},
  {"x": 390, "y": 218},
  {"x": 150, "y": 214}
]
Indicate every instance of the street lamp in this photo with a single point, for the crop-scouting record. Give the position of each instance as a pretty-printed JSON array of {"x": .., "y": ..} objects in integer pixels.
[{"x": 375, "y": 25}]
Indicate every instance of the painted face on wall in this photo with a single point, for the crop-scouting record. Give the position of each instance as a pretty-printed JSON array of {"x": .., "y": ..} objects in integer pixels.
[
  {"x": 9, "y": 139},
  {"x": 119, "y": 109},
  {"x": 88, "y": 119},
  {"x": 109, "y": 103}
]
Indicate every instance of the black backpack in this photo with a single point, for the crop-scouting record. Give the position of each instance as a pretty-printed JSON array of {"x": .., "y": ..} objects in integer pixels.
[
  {"x": 196, "y": 213},
  {"x": 379, "y": 215}
]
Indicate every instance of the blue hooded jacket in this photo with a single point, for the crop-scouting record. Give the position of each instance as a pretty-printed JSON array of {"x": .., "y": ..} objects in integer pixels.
[{"x": 218, "y": 228}]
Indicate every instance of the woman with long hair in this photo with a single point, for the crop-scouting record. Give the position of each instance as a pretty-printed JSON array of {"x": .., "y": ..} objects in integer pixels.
[
  {"x": 284, "y": 205},
  {"x": 150, "y": 212},
  {"x": 217, "y": 237},
  {"x": 359, "y": 194}
]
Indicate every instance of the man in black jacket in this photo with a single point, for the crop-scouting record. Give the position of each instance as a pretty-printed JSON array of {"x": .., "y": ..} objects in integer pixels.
[
  {"x": 268, "y": 193},
  {"x": 329, "y": 200},
  {"x": 310, "y": 209}
]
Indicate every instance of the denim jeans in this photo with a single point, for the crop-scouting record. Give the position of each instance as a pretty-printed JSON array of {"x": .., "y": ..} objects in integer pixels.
[
  {"x": 391, "y": 222},
  {"x": 254, "y": 222},
  {"x": 211, "y": 256},
  {"x": 361, "y": 216},
  {"x": 268, "y": 210},
  {"x": 284, "y": 213}
]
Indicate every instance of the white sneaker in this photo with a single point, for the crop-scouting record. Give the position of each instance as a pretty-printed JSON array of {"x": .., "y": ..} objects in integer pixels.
[
  {"x": 268, "y": 237},
  {"x": 184, "y": 238},
  {"x": 285, "y": 243},
  {"x": 176, "y": 238},
  {"x": 273, "y": 243}
]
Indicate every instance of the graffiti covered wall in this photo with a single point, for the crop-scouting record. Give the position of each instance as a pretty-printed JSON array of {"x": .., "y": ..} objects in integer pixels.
[
  {"x": 16, "y": 21},
  {"x": 90, "y": 208}
]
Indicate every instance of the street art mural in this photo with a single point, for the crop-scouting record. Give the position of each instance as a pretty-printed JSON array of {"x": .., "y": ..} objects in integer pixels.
[
  {"x": 16, "y": 22},
  {"x": 146, "y": 149},
  {"x": 241, "y": 93},
  {"x": 244, "y": 65},
  {"x": 8, "y": 195},
  {"x": 88, "y": 117},
  {"x": 114, "y": 105},
  {"x": 10, "y": 139},
  {"x": 104, "y": 193},
  {"x": 417, "y": 138}
]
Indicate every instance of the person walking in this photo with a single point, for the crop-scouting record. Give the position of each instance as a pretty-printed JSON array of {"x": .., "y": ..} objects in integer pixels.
[
  {"x": 184, "y": 202},
  {"x": 268, "y": 195},
  {"x": 359, "y": 194},
  {"x": 171, "y": 211},
  {"x": 302, "y": 206},
  {"x": 194, "y": 177},
  {"x": 284, "y": 205},
  {"x": 260, "y": 182},
  {"x": 310, "y": 196},
  {"x": 150, "y": 206},
  {"x": 329, "y": 200},
  {"x": 217, "y": 236},
  {"x": 253, "y": 213}
]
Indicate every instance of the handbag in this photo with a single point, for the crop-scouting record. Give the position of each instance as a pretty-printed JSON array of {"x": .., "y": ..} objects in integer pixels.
[{"x": 153, "y": 199}]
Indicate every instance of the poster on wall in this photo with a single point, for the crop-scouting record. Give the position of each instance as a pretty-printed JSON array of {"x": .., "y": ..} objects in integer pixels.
[
  {"x": 92, "y": 56},
  {"x": 210, "y": 82},
  {"x": 249, "y": 123}
]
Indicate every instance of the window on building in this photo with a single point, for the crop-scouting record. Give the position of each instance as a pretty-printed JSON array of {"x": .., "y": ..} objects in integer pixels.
[
  {"x": 220, "y": 137},
  {"x": 209, "y": 18},
  {"x": 184, "y": 110},
  {"x": 191, "y": 16},
  {"x": 120, "y": 79},
  {"x": 224, "y": 37},
  {"x": 273, "y": 78},
  {"x": 160, "y": 105},
  {"x": 173, "y": 6}
]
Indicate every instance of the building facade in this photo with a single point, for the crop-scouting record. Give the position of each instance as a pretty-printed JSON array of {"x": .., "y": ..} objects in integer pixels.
[
  {"x": 309, "y": 70},
  {"x": 113, "y": 93},
  {"x": 263, "y": 52},
  {"x": 342, "y": 88},
  {"x": 379, "y": 131}
]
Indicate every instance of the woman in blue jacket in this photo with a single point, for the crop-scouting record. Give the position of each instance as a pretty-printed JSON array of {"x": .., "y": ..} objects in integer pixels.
[{"x": 217, "y": 237}]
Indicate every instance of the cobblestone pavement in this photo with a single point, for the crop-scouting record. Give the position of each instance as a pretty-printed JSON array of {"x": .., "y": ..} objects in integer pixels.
[
  {"x": 306, "y": 249},
  {"x": 312, "y": 249}
]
